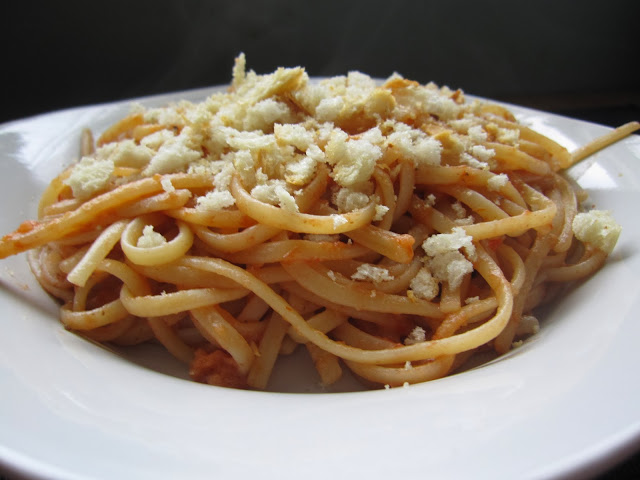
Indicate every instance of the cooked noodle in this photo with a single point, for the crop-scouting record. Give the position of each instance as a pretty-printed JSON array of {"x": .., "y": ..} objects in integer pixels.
[{"x": 395, "y": 230}]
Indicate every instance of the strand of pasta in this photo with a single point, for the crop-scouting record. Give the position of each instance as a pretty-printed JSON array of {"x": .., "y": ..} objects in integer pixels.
[
  {"x": 568, "y": 202},
  {"x": 41, "y": 268},
  {"x": 398, "y": 247},
  {"x": 387, "y": 196},
  {"x": 268, "y": 351},
  {"x": 602, "y": 142},
  {"x": 296, "y": 250},
  {"x": 591, "y": 263},
  {"x": 149, "y": 306},
  {"x": 509, "y": 157},
  {"x": 324, "y": 322},
  {"x": 532, "y": 263},
  {"x": 519, "y": 224},
  {"x": 211, "y": 218},
  {"x": 327, "y": 365},
  {"x": 560, "y": 158},
  {"x": 52, "y": 192},
  {"x": 59, "y": 208},
  {"x": 465, "y": 176},
  {"x": 406, "y": 185},
  {"x": 213, "y": 325},
  {"x": 79, "y": 318},
  {"x": 476, "y": 201},
  {"x": 429, "y": 349},
  {"x": 160, "y": 202},
  {"x": 396, "y": 376},
  {"x": 35, "y": 234},
  {"x": 98, "y": 251},
  {"x": 356, "y": 337},
  {"x": 299, "y": 222},
  {"x": 183, "y": 276},
  {"x": 249, "y": 237},
  {"x": 106, "y": 314},
  {"x": 381, "y": 318},
  {"x": 155, "y": 255},
  {"x": 316, "y": 279},
  {"x": 110, "y": 332}
]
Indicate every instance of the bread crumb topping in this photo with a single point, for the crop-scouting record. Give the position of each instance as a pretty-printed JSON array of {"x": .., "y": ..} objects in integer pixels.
[
  {"x": 598, "y": 228},
  {"x": 274, "y": 130},
  {"x": 150, "y": 238},
  {"x": 444, "y": 259},
  {"x": 372, "y": 273}
]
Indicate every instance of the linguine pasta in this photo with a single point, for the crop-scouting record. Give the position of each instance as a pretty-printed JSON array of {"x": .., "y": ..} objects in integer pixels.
[{"x": 392, "y": 229}]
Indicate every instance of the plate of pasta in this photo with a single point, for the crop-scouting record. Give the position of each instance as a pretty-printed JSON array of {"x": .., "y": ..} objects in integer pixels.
[{"x": 294, "y": 277}]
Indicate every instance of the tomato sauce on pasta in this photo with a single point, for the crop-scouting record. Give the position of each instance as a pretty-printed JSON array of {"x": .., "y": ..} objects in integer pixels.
[{"x": 390, "y": 228}]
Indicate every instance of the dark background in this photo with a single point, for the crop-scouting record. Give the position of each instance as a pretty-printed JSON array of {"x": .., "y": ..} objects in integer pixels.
[
  {"x": 574, "y": 57},
  {"x": 578, "y": 58}
]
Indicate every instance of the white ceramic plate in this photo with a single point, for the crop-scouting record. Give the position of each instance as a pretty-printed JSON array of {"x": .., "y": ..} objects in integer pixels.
[{"x": 565, "y": 403}]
